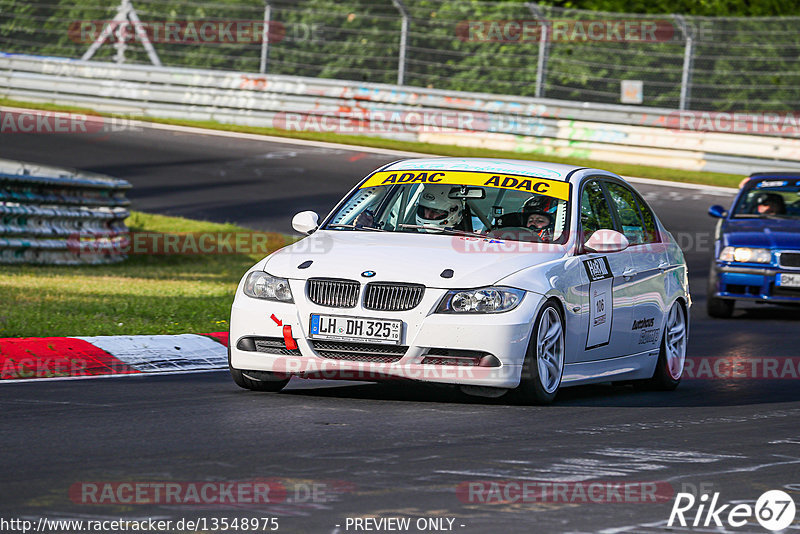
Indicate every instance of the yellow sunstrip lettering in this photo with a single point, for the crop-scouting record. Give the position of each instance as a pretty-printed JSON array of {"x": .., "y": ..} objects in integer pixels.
[
  {"x": 410, "y": 178},
  {"x": 530, "y": 184}
]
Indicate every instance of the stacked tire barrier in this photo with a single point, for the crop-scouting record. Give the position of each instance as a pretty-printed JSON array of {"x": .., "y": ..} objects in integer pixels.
[{"x": 58, "y": 217}]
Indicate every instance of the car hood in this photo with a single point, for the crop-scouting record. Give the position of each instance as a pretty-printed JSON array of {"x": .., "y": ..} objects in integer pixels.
[
  {"x": 405, "y": 257},
  {"x": 764, "y": 233}
]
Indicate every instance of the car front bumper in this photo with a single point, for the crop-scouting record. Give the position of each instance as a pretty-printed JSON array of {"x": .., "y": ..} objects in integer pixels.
[
  {"x": 732, "y": 281},
  {"x": 502, "y": 335}
]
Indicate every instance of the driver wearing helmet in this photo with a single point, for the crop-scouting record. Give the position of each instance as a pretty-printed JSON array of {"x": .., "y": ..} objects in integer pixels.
[
  {"x": 437, "y": 210},
  {"x": 540, "y": 223},
  {"x": 770, "y": 204}
]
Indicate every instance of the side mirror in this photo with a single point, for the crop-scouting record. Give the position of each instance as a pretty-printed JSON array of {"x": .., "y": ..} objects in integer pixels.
[
  {"x": 606, "y": 241},
  {"x": 305, "y": 222},
  {"x": 717, "y": 211}
]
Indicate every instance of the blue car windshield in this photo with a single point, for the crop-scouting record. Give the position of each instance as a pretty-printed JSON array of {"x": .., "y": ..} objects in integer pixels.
[{"x": 770, "y": 199}]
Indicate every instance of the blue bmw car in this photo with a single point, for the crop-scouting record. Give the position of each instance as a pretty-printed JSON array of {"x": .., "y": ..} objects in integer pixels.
[{"x": 757, "y": 245}]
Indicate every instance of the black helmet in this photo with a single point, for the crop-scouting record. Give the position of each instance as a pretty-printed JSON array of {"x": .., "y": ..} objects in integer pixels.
[{"x": 772, "y": 199}]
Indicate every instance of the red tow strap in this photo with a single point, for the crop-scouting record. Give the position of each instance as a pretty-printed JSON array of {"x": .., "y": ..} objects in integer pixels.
[{"x": 291, "y": 344}]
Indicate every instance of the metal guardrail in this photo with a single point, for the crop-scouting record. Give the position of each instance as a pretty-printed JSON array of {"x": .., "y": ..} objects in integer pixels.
[
  {"x": 533, "y": 125},
  {"x": 59, "y": 217},
  {"x": 499, "y": 47}
]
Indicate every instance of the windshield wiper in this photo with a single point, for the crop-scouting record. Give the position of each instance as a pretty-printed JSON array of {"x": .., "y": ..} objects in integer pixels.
[
  {"x": 451, "y": 231},
  {"x": 356, "y": 227}
]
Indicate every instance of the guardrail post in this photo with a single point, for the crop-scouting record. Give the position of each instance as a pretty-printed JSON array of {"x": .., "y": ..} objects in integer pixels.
[
  {"x": 688, "y": 62},
  {"x": 544, "y": 43},
  {"x": 265, "y": 37},
  {"x": 401, "y": 60}
]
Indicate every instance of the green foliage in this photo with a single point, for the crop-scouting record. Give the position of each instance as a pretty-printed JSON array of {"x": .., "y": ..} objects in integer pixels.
[{"x": 146, "y": 294}]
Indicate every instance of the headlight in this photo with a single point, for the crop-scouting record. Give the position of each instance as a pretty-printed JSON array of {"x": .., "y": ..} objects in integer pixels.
[
  {"x": 746, "y": 255},
  {"x": 260, "y": 285},
  {"x": 483, "y": 300}
]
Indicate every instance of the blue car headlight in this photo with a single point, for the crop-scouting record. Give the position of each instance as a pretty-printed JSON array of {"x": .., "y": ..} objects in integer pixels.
[
  {"x": 745, "y": 255},
  {"x": 482, "y": 300},
  {"x": 261, "y": 285}
]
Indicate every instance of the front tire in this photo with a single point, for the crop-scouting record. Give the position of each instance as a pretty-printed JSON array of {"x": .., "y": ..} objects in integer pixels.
[
  {"x": 715, "y": 307},
  {"x": 256, "y": 380},
  {"x": 719, "y": 308},
  {"x": 544, "y": 361},
  {"x": 672, "y": 356}
]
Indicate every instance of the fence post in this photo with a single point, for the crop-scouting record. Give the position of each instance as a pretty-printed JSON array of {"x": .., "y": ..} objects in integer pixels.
[
  {"x": 688, "y": 62},
  {"x": 544, "y": 42},
  {"x": 125, "y": 13},
  {"x": 142, "y": 33},
  {"x": 265, "y": 37},
  {"x": 401, "y": 60}
]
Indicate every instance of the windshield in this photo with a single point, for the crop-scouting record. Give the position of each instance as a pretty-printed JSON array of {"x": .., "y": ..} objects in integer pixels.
[
  {"x": 518, "y": 208},
  {"x": 770, "y": 198}
]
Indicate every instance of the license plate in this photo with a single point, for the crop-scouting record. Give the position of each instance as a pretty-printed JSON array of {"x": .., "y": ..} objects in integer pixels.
[
  {"x": 788, "y": 280},
  {"x": 340, "y": 328}
]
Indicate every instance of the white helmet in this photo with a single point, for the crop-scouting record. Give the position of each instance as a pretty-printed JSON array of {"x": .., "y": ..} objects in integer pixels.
[{"x": 436, "y": 209}]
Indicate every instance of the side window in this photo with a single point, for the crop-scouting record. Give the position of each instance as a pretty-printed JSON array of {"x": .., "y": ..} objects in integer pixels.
[
  {"x": 624, "y": 201},
  {"x": 595, "y": 214},
  {"x": 361, "y": 200},
  {"x": 650, "y": 228}
]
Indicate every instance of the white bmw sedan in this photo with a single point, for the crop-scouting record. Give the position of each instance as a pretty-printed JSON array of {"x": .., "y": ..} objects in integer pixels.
[{"x": 495, "y": 275}]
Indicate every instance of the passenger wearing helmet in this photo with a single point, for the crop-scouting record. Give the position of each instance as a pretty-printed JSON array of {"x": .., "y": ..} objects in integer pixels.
[{"x": 437, "y": 209}]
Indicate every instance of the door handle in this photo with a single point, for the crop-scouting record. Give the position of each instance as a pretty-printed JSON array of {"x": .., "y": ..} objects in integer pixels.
[{"x": 629, "y": 273}]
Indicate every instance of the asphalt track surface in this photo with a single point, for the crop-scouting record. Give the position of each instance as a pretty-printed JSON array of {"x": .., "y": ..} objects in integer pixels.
[{"x": 391, "y": 450}]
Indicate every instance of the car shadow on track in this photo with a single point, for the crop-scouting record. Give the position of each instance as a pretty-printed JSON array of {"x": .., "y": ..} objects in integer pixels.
[
  {"x": 757, "y": 312},
  {"x": 690, "y": 393},
  {"x": 394, "y": 391}
]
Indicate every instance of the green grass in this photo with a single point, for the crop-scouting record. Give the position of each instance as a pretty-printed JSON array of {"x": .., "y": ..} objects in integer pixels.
[
  {"x": 146, "y": 294},
  {"x": 624, "y": 169}
]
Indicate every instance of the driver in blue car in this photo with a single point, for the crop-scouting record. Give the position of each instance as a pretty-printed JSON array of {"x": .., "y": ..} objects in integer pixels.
[{"x": 770, "y": 204}]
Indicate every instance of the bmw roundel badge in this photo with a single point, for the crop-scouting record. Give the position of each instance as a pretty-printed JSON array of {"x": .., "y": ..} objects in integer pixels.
[{"x": 368, "y": 274}]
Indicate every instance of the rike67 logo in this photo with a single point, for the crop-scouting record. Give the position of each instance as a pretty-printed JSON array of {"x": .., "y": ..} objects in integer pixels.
[{"x": 774, "y": 510}]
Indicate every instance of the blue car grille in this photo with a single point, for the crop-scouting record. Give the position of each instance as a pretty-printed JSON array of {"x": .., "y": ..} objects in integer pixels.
[{"x": 790, "y": 259}]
